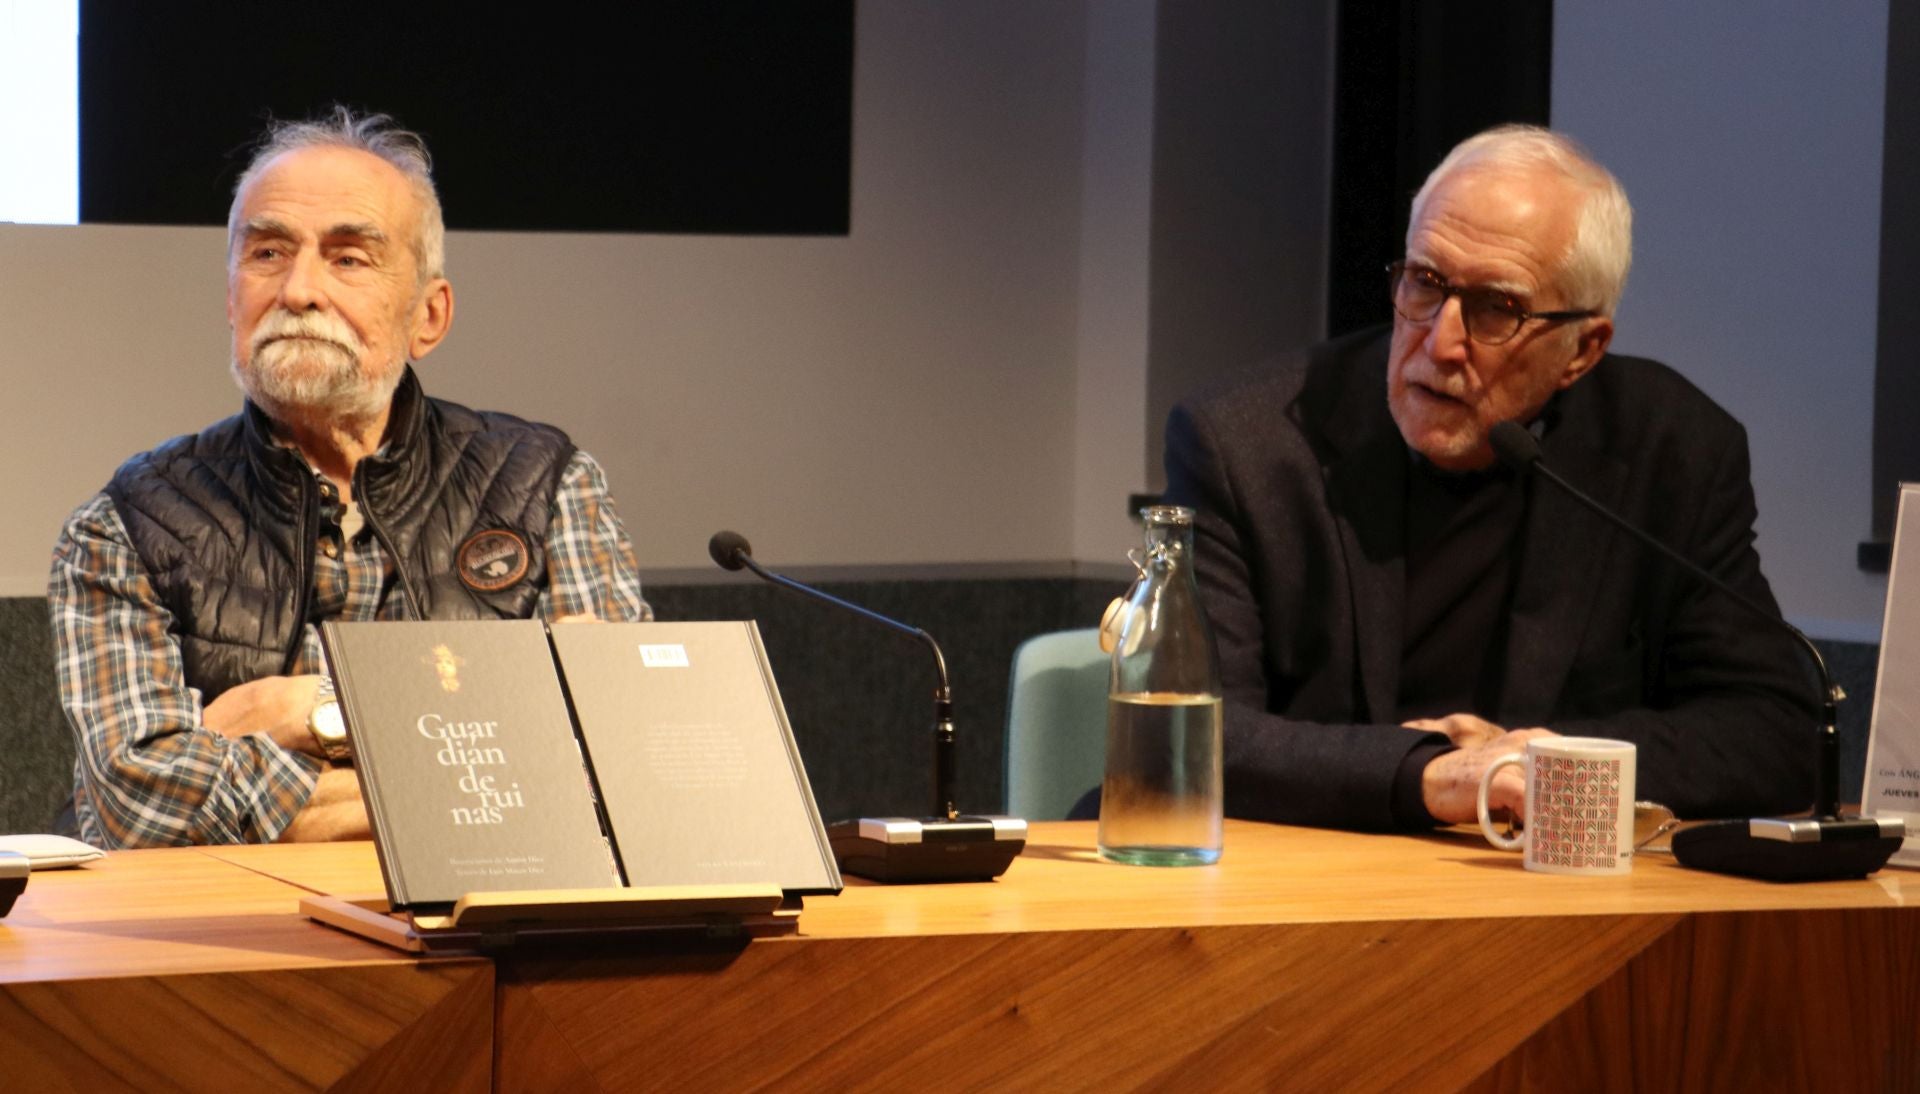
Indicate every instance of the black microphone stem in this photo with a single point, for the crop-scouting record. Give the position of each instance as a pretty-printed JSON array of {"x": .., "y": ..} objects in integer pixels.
[
  {"x": 944, "y": 802},
  {"x": 1826, "y": 805}
]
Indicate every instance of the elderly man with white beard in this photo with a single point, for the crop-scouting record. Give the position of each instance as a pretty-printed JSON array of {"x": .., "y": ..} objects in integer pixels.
[{"x": 185, "y": 594}]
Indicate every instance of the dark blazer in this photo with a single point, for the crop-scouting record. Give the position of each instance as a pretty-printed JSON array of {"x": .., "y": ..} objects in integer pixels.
[{"x": 1299, "y": 473}]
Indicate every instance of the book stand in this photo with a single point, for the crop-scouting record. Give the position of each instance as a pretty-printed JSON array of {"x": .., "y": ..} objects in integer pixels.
[{"x": 496, "y": 920}]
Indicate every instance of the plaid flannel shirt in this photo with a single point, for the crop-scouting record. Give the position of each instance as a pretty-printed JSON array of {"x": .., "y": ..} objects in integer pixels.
[{"x": 149, "y": 773}]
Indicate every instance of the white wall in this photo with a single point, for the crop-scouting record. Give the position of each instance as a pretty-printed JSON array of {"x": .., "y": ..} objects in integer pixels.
[
  {"x": 905, "y": 395},
  {"x": 1243, "y": 155},
  {"x": 962, "y": 378},
  {"x": 1749, "y": 136},
  {"x": 1111, "y": 425}
]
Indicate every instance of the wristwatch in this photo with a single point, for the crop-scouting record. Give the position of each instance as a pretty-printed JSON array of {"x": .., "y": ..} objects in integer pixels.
[{"x": 329, "y": 729}]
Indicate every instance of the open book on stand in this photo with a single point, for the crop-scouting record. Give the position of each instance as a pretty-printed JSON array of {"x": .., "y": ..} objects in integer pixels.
[{"x": 497, "y": 758}]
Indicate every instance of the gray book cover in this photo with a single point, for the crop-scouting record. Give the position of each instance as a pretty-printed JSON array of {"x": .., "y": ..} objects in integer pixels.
[
  {"x": 695, "y": 760},
  {"x": 467, "y": 759}
]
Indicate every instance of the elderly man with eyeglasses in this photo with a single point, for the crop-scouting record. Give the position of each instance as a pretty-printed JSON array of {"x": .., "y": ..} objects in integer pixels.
[{"x": 1394, "y": 611}]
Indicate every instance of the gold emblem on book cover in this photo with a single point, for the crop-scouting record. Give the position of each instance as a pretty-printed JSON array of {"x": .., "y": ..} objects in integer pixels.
[{"x": 446, "y": 665}]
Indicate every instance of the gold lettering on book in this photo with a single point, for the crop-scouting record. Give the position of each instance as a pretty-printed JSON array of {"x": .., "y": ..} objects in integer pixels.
[{"x": 459, "y": 748}]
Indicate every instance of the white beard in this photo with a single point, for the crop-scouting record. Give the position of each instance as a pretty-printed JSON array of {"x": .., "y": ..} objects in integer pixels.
[{"x": 312, "y": 363}]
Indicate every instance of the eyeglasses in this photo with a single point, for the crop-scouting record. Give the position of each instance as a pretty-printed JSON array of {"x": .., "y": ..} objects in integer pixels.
[
  {"x": 1651, "y": 822},
  {"x": 1491, "y": 316}
]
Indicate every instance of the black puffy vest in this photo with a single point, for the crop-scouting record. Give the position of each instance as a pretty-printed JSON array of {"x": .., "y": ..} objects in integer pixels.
[{"x": 226, "y": 523}]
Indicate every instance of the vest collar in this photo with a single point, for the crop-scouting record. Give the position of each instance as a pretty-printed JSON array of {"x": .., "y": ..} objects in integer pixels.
[
  {"x": 385, "y": 479},
  {"x": 397, "y": 478}
]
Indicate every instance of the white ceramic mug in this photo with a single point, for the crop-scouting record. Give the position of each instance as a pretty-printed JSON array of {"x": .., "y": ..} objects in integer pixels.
[{"x": 1579, "y": 805}]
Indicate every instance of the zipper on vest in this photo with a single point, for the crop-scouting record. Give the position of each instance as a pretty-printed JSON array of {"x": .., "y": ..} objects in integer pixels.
[
  {"x": 380, "y": 533},
  {"x": 308, "y": 538}
]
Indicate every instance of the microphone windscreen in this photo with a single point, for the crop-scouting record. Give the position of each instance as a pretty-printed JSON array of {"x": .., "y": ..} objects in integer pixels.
[
  {"x": 729, "y": 549},
  {"x": 1515, "y": 447}
]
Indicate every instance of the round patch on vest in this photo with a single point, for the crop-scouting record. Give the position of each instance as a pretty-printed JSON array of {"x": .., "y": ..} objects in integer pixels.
[{"x": 492, "y": 560}]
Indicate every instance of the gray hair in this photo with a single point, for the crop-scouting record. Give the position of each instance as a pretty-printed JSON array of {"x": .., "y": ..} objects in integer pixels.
[
  {"x": 377, "y": 135},
  {"x": 1593, "y": 272}
]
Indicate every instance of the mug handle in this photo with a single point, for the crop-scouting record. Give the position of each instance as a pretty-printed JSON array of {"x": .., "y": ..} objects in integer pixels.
[{"x": 1505, "y": 843}]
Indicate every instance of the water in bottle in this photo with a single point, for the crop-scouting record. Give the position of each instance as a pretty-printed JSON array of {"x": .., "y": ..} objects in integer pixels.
[{"x": 1161, "y": 802}]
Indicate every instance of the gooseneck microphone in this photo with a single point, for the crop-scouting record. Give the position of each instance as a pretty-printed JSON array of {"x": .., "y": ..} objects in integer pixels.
[
  {"x": 944, "y": 846},
  {"x": 1824, "y": 847},
  {"x": 1519, "y": 451},
  {"x": 732, "y": 551}
]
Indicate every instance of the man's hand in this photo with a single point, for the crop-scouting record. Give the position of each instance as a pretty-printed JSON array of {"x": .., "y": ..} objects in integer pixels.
[
  {"x": 334, "y": 812},
  {"x": 1464, "y": 730},
  {"x": 1450, "y": 784},
  {"x": 277, "y": 706}
]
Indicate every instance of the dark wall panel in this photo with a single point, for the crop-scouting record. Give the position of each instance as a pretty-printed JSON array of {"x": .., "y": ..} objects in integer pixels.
[
  {"x": 1896, "y": 388},
  {"x": 1239, "y": 215},
  {"x": 860, "y": 697},
  {"x": 722, "y": 118},
  {"x": 1412, "y": 79}
]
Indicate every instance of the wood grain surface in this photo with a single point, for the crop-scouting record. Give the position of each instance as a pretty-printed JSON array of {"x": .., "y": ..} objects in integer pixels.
[
  {"x": 1324, "y": 1005},
  {"x": 1821, "y": 1000},
  {"x": 164, "y": 912},
  {"x": 1269, "y": 874},
  {"x": 177, "y": 970},
  {"x": 385, "y": 1027},
  {"x": 1304, "y": 960}
]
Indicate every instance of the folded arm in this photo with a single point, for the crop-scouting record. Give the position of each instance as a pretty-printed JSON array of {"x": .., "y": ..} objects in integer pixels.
[{"x": 150, "y": 772}]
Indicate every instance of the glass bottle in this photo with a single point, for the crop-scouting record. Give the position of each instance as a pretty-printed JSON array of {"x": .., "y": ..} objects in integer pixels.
[{"x": 1161, "y": 800}]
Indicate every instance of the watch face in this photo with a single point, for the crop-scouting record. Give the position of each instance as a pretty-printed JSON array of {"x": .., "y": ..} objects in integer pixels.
[
  {"x": 330, "y": 729},
  {"x": 327, "y": 723}
]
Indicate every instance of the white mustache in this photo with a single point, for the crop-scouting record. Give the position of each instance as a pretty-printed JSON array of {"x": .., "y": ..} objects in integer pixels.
[
  {"x": 1453, "y": 387},
  {"x": 280, "y": 325}
]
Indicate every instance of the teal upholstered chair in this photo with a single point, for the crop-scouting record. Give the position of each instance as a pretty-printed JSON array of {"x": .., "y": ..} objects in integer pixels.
[{"x": 1056, "y": 723}]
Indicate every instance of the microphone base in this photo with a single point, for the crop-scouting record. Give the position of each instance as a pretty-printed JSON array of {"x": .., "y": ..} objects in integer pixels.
[
  {"x": 14, "y": 869},
  {"x": 1784, "y": 850},
  {"x": 902, "y": 850}
]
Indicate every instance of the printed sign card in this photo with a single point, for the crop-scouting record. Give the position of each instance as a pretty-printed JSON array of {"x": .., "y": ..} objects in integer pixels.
[{"x": 1893, "y": 749}]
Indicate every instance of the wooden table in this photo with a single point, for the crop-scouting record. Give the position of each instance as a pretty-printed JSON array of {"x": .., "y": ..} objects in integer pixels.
[
  {"x": 179, "y": 965},
  {"x": 1306, "y": 959}
]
